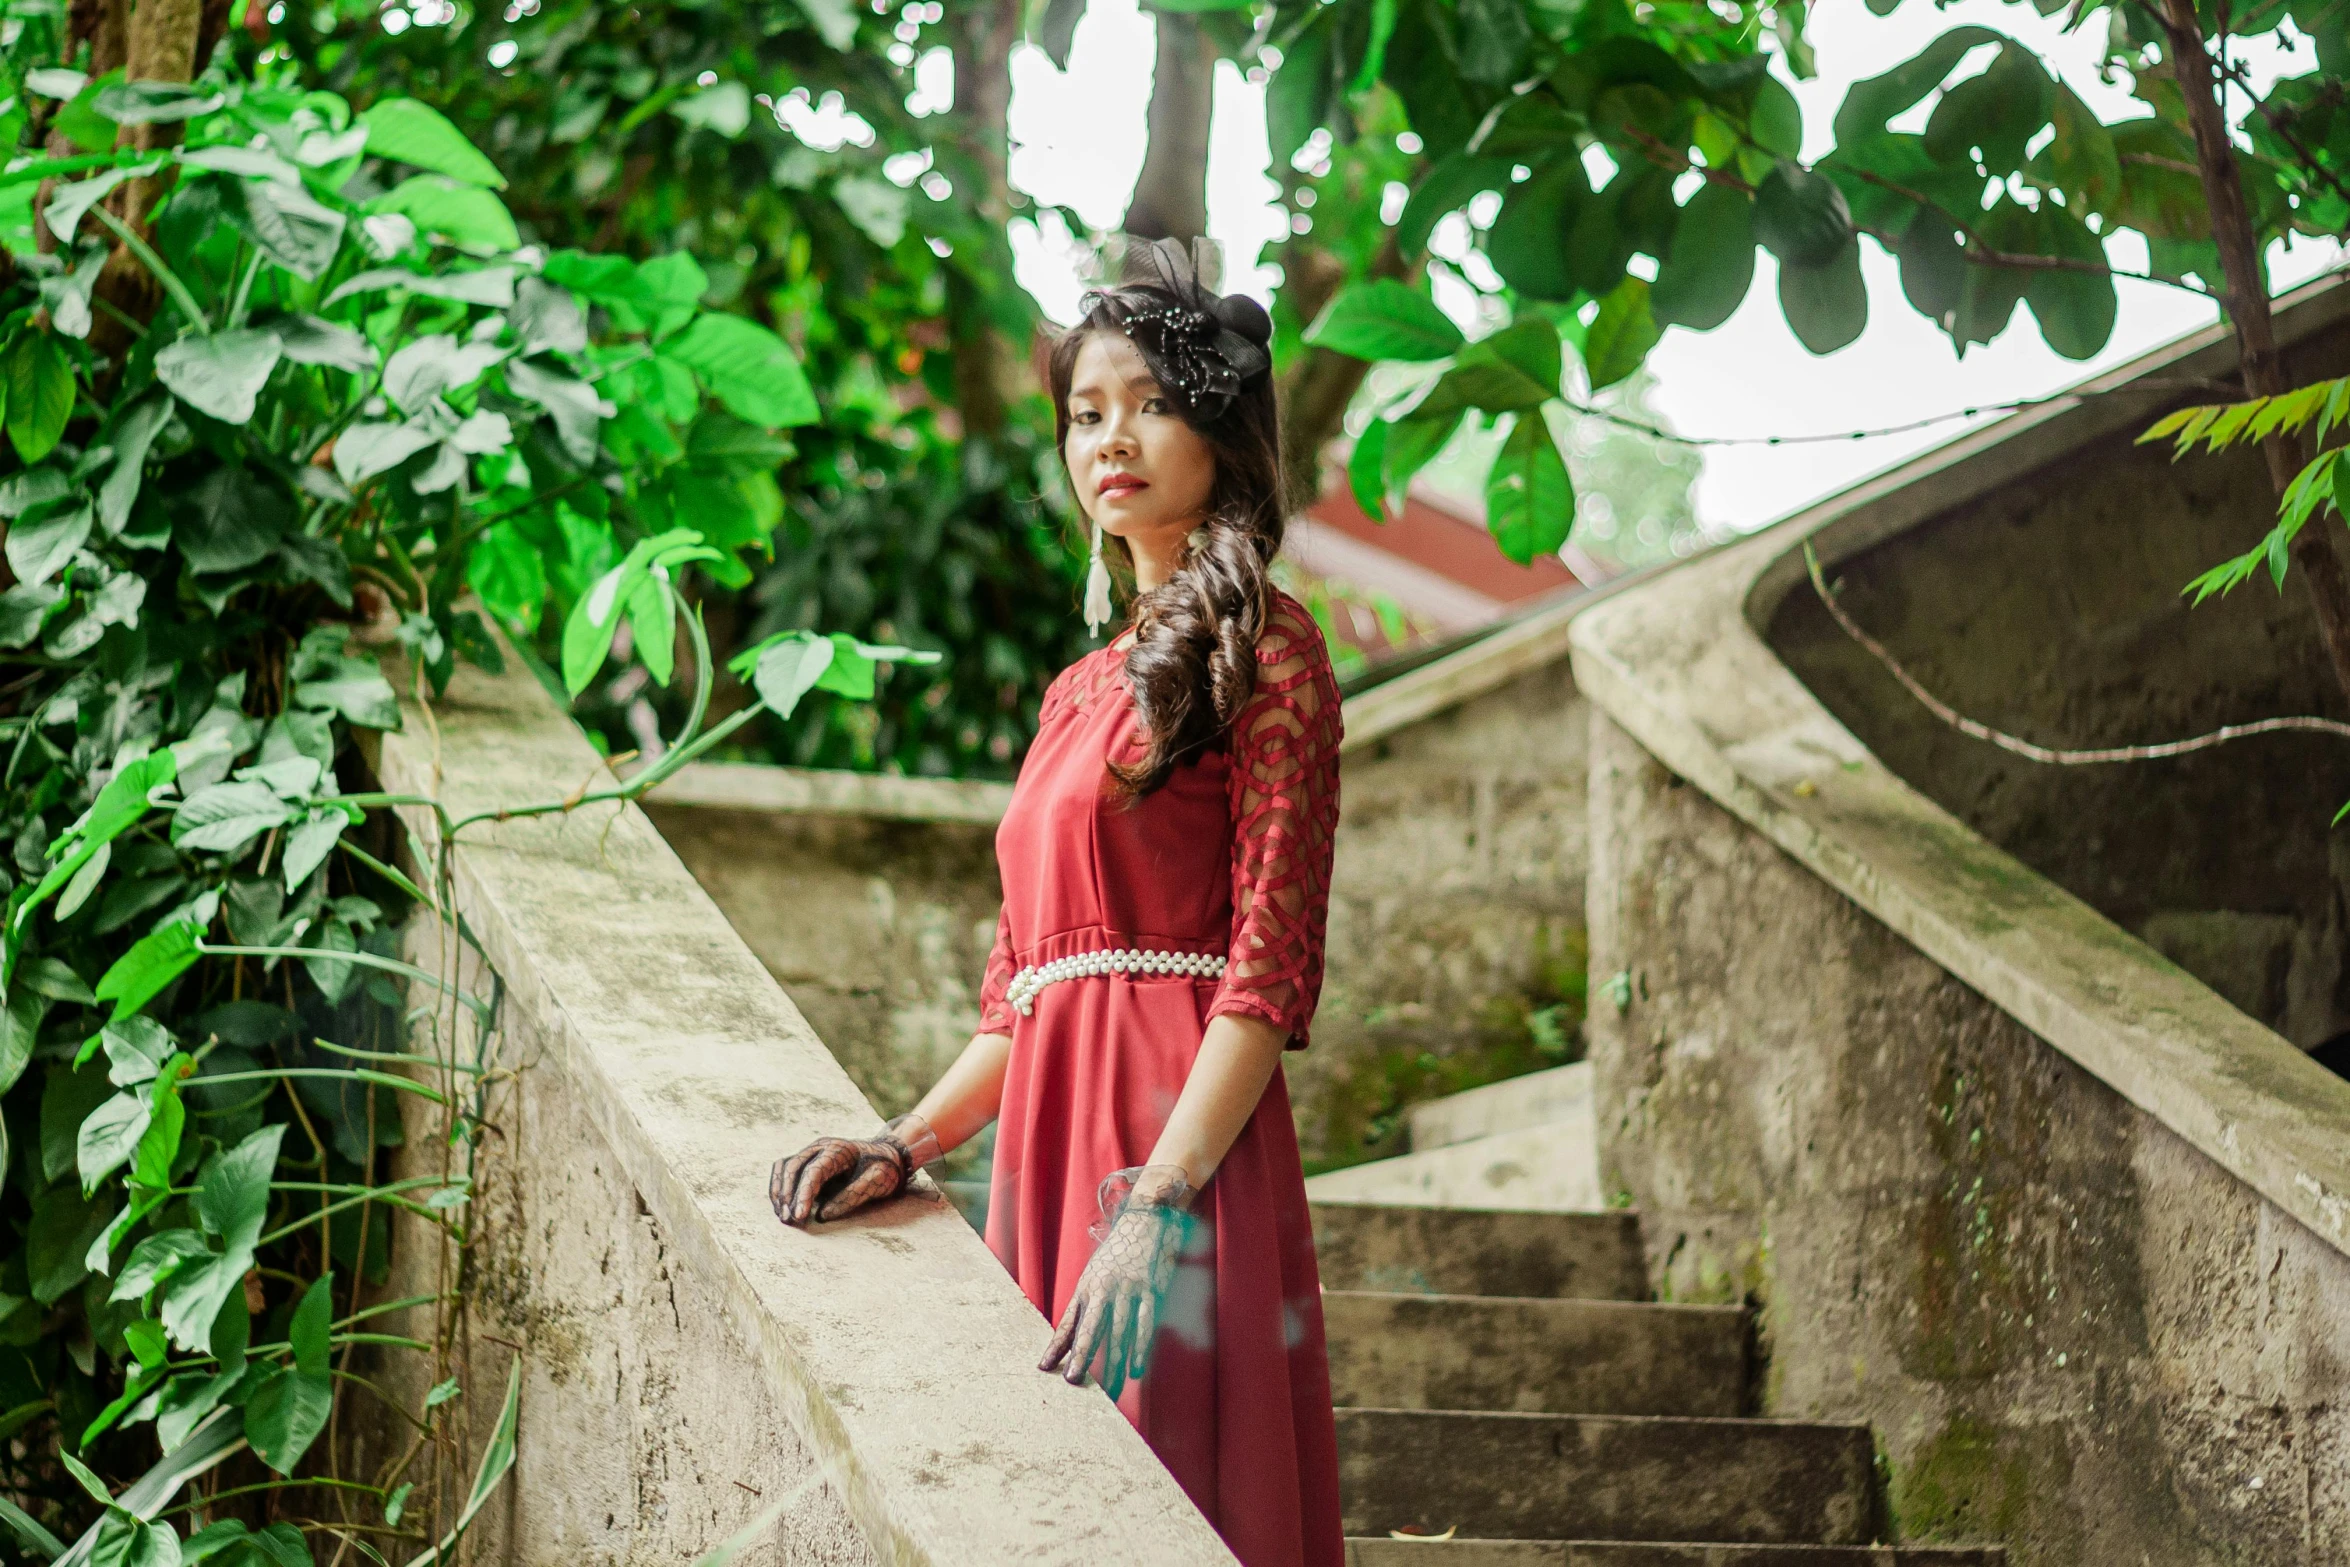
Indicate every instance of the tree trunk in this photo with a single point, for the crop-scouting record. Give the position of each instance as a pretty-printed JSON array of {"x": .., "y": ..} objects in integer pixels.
[
  {"x": 1318, "y": 388},
  {"x": 2315, "y": 550},
  {"x": 1171, "y": 197},
  {"x": 161, "y": 42},
  {"x": 990, "y": 374},
  {"x": 102, "y": 25}
]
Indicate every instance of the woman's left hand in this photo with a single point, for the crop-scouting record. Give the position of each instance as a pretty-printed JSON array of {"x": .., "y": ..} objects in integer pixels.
[{"x": 1114, "y": 1313}]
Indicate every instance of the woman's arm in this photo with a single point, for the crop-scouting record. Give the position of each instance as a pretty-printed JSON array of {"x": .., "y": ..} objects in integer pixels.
[
  {"x": 1235, "y": 1061},
  {"x": 970, "y": 1094}
]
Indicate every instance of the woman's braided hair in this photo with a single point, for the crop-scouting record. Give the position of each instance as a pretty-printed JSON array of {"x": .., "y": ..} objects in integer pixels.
[{"x": 1193, "y": 663}]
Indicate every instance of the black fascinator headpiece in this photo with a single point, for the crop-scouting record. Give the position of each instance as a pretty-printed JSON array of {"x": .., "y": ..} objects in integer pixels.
[{"x": 1202, "y": 347}]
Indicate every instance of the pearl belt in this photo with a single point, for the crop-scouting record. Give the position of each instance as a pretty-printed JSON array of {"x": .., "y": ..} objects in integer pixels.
[{"x": 1021, "y": 993}]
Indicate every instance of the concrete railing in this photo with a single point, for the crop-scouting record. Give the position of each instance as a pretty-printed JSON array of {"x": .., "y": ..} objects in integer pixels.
[
  {"x": 687, "y": 1362},
  {"x": 2070, "y": 1229}
]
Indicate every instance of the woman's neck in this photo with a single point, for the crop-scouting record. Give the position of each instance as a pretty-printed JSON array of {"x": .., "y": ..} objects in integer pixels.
[{"x": 1158, "y": 557}]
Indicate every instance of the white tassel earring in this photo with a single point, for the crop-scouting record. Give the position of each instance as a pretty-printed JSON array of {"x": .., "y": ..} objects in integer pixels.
[{"x": 1097, "y": 588}]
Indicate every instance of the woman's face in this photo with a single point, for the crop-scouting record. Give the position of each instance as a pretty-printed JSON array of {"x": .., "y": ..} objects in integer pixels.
[{"x": 1138, "y": 468}]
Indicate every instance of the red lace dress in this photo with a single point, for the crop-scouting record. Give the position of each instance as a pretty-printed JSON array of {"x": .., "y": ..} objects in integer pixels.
[{"x": 1231, "y": 856}]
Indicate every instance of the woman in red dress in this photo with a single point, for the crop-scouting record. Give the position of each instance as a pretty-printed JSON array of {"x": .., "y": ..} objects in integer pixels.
[{"x": 1166, "y": 872}]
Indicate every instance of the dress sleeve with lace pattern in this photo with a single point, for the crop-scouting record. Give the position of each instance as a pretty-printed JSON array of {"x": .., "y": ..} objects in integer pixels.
[
  {"x": 995, "y": 1011},
  {"x": 1283, "y": 787}
]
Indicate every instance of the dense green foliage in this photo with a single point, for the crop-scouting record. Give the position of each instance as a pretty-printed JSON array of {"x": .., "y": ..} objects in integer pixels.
[
  {"x": 650, "y": 130},
  {"x": 349, "y": 394},
  {"x": 1607, "y": 132}
]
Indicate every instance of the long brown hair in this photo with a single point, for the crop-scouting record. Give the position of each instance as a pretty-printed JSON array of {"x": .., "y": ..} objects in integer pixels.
[{"x": 1193, "y": 662}]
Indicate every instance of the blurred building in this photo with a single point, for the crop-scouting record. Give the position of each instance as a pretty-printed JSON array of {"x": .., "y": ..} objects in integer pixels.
[{"x": 1429, "y": 575}]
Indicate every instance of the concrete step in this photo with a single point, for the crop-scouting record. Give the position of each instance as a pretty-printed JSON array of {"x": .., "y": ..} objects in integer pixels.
[
  {"x": 1561, "y": 1094},
  {"x": 1627, "y": 1553},
  {"x": 1462, "y": 1251},
  {"x": 1542, "y": 1169},
  {"x": 1585, "y": 1357},
  {"x": 1605, "y": 1477}
]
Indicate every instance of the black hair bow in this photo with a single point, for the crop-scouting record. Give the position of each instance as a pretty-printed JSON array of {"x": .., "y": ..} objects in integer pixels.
[{"x": 1201, "y": 347}]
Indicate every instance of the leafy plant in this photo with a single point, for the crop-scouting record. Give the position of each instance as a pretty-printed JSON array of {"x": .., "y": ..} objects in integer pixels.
[
  {"x": 1577, "y": 139},
  {"x": 282, "y": 391},
  {"x": 924, "y": 507}
]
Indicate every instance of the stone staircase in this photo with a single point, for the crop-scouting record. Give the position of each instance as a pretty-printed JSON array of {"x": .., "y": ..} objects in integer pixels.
[{"x": 1502, "y": 1377}]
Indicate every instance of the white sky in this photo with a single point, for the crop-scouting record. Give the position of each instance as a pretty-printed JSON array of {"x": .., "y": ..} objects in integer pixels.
[{"x": 1079, "y": 141}]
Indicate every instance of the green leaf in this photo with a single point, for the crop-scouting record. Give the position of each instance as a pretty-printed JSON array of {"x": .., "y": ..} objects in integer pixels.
[
  {"x": 155, "y": 102},
  {"x": 1414, "y": 440},
  {"x": 1621, "y": 334},
  {"x": 723, "y": 108},
  {"x": 289, "y": 225},
  {"x": 2075, "y": 309},
  {"x": 1517, "y": 367},
  {"x": 1995, "y": 114},
  {"x": 139, "y": 974},
  {"x": 136, "y": 1050},
  {"x": 1447, "y": 187},
  {"x": 357, "y": 690},
  {"x": 232, "y": 1200},
  {"x": 836, "y": 21},
  {"x": 1364, "y": 466},
  {"x": 1297, "y": 99},
  {"x": 234, "y": 518},
  {"x": 1528, "y": 241},
  {"x": 155, "y": 1259},
  {"x": 367, "y": 449},
  {"x": 2082, "y": 159},
  {"x": 57, "y": 1245},
  {"x": 1827, "y": 305},
  {"x": 1703, "y": 277},
  {"x": 1871, "y": 103},
  {"x": 39, "y": 545},
  {"x": 308, "y": 845},
  {"x": 788, "y": 669},
  {"x": 1493, "y": 39},
  {"x": 453, "y": 213},
  {"x": 40, "y": 394},
  {"x": 749, "y": 369},
  {"x": 291, "y": 1406},
  {"x": 577, "y": 408},
  {"x": 20, "y": 1029},
  {"x": 220, "y": 373},
  {"x": 108, "y": 1137},
  {"x": 125, "y": 1541},
  {"x": 1801, "y": 216},
  {"x": 135, "y": 429},
  {"x": 419, "y": 135},
  {"x": 1529, "y": 500},
  {"x": 159, "y": 1146},
  {"x": 29, "y": 1532},
  {"x": 1384, "y": 319},
  {"x": 1776, "y": 120},
  {"x": 227, "y": 816},
  {"x": 1932, "y": 255}
]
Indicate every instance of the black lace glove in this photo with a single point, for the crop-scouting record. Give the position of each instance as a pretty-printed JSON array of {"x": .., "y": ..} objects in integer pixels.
[
  {"x": 833, "y": 1177},
  {"x": 1115, "y": 1312}
]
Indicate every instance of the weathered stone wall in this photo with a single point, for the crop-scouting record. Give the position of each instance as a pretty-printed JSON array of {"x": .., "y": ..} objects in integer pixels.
[
  {"x": 1456, "y": 916},
  {"x": 878, "y": 929},
  {"x": 2050, "y": 606},
  {"x": 1456, "y": 913},
  {"x": 2072, "y": 1331},
  {"x": 647, "y": 1441}
]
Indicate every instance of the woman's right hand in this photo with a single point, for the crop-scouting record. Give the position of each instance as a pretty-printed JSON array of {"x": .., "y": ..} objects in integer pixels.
[{"x": 833, "y": 1177}]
